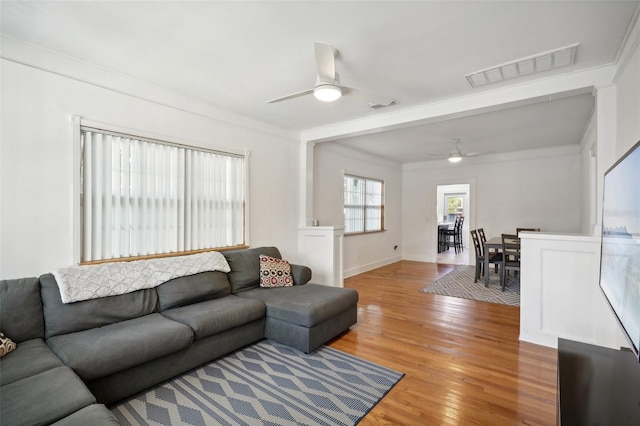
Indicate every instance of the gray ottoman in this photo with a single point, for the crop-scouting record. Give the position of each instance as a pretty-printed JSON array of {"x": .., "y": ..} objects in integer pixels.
[{"x": 306, "y": 316}]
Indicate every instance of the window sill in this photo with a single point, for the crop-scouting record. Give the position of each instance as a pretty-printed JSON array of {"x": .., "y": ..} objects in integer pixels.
[
  {"x": 161, "y": 255},
  {"x": 351, "y": 234}
]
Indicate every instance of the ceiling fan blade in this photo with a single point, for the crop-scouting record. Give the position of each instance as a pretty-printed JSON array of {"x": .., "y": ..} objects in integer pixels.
[
  {"x": 325, "y": 62},
  {"x": 291, "y": 96},
  {"x": 478, "y": 154}
]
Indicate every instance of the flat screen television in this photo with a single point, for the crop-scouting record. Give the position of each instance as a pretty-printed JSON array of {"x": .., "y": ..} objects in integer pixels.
[{"x": 620, "y": 254}]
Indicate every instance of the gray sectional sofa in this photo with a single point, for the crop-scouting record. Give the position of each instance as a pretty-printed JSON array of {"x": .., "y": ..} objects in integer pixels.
[{"x": 72, "y": 360}]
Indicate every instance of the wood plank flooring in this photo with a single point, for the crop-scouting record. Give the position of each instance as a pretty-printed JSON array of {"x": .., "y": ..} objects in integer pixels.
[{"x": 462, "y": 359}]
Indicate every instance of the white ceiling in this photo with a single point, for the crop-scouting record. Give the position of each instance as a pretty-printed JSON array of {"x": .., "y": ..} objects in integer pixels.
[
  {"x": 238, "y": 55},
  {"x": 544, "y": 124}
]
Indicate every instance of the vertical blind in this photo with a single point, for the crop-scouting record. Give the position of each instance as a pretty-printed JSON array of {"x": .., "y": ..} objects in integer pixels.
[
  {"x": 363, "y": 205},
  {"x": 142, "y": 197}
]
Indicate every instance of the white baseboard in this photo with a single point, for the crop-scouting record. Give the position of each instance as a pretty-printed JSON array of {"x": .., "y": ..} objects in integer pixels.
[
  {"x": 417, "y": 258},
  {"x": 364, "y": 268},
  {"x": 539, "y": 339}
]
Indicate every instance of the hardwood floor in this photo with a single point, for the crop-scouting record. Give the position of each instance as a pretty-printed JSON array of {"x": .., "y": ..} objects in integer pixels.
[
  {"x": 462, "y": 359},
  {"x": 449, "y": 257}
]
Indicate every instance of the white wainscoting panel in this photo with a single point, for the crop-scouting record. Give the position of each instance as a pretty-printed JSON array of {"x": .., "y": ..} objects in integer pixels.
[
  {"x": 560, "y": 295},
  {"x": 320, "y": 248}
]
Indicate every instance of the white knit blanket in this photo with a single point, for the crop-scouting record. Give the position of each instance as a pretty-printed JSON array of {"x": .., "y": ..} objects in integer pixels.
[{"x": 78, "y": 283}]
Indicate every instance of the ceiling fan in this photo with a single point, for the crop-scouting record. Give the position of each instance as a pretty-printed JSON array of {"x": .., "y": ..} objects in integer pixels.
[
  {"x": 457, "y": 155},
  {"x": 328, "y": 87}
]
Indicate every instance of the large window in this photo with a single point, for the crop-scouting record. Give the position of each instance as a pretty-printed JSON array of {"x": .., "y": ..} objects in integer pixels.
[
  {"x": 143, "y": 197},
  {"x": 363, "y": 205}
]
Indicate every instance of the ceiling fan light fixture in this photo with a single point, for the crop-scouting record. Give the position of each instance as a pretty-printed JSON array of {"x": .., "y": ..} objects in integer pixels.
[
  {"x": 327, "y": 92},
  {"x": 455, "y": 157}
]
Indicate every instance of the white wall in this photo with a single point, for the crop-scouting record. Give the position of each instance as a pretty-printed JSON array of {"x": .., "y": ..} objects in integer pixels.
[
  {"x": 588, "y": 177},
  {"x": 361, "y": 252},
  {"x": 529, "y": 189},
  {"x": 628, "y": 100},
  {"x": 36, "y": 173}
]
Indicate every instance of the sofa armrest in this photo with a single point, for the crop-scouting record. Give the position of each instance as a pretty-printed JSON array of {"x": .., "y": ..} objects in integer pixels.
[{"x": 301, "y": 274}]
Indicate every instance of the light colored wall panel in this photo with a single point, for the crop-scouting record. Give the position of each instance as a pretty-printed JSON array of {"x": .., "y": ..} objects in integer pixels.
[
  {"x": 560, "y": 295},
  {"x": 628, "y": 97},
  {"x": 368, "y": 251},
  {"x": 320, "y": 248},
  {"x": 567, "y": 277}
]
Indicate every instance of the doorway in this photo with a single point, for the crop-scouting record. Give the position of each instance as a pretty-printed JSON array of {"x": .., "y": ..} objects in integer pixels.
[{"x": 453, "y": 200}]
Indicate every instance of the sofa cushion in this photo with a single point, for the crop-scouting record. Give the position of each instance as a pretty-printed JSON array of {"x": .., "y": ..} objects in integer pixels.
[
  {"x": 94, "y": 415},
  {"x": 218, "y": 315},
  {"x": 245, "y": 267},
  {"x": 21, "y": 309},
  {"x": 64, "y": 318},
  {"x": 274, "y": 272},
  {"x": 43, "y": 398},
  {"x": 192, "y": 289},
  {"x": 306, "y": 305},
  {"x": 30, "y": 358},
  {"x": 101, "y": 351}
]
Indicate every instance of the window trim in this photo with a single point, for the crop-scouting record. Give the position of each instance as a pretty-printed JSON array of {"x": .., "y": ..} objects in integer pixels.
[
  {"x": 364, "y": 218},
  {"x": 79, "y": 123}
]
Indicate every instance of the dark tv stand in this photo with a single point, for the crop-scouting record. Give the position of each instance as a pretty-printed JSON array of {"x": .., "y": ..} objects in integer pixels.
[{"x": 597, "y": 386}]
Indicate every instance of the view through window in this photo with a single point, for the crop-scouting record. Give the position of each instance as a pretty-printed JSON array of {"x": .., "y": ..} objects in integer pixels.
[
  {"x": 455, "y": 206},
  {"x": 363, "y": 205}
]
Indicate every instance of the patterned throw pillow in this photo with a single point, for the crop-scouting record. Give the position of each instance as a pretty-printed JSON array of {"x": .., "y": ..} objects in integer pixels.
[
  {"x": 274, "y": 272},
  {"x": 6, "y": 345}
]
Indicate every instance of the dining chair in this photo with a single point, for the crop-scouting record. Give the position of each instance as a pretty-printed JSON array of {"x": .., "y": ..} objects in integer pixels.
[
  {"x": 479, "y": 248},
  {"x": 510, "y": 257},
  {"x": 453, "y": 237},
  {"x": 459, "y": 234},
  {"x": 483, "y": 239}
]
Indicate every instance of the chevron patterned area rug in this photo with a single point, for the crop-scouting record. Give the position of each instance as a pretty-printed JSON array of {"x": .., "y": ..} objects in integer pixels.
[
  {"x": 459, "y": 283},
  {"x": 265, "y": 384}
]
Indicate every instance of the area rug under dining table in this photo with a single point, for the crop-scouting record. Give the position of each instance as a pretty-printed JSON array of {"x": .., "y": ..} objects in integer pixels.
[
  {"x": 265, "y": 384},
  {"x": 459, "y": 283}
]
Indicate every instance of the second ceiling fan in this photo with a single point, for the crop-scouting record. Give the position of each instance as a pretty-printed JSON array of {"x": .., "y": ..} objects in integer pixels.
[{"x": 456, "y": 155}]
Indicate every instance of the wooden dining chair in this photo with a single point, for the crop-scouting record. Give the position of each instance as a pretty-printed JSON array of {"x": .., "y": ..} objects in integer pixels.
[
  {"x": 510, "y": 257},
  {"x": 458, "y": 236},
  {"x": 483, "y": 239},
  {"x": 479, "y": 255},
  {"x": 454, "y": 236},
  {"x": 479, "y": 248}
]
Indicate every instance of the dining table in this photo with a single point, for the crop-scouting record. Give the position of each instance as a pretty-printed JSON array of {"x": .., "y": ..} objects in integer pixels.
[{"x": 494, "y": 243}]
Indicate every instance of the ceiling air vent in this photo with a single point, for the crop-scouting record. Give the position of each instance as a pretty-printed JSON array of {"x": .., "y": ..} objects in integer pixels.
[{"x": 522, "y": 67}]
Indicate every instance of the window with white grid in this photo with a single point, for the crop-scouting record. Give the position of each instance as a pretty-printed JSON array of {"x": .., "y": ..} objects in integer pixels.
[
  {"x": 363, "y": 205},
  {"x": 145, "y": 197}
]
